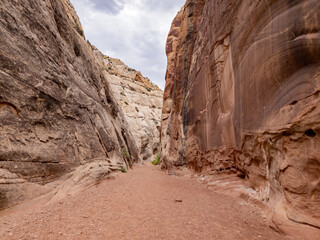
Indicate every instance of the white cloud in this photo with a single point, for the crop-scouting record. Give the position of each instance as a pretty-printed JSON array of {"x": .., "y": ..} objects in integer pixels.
[{"x": 133, "y": 30}]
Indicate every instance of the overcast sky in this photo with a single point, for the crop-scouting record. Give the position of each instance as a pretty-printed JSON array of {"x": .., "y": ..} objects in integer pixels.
[{"x": 133, "y": 30}]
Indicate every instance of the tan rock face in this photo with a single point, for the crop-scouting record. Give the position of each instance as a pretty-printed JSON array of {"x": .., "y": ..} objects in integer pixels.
[
  {"x": 242, "y": 94},
  {"x": 57, "y": 111},
  {"x": 140, "y": 100}
]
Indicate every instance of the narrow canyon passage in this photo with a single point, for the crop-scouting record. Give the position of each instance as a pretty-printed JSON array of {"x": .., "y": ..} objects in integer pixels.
[{"x": 145, "y": 203}]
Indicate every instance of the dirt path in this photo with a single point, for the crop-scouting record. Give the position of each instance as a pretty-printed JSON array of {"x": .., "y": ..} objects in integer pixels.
[{"x": 142, "y": 204}]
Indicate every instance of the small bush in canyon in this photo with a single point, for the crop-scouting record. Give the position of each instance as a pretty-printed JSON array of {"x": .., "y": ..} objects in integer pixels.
[
  {"x": 125, "y": 153},
  {"x": 79, "y": 30},
  {"x": 157, "y": 160}
]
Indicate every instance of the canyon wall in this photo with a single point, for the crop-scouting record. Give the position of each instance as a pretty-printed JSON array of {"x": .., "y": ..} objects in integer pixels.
[
  {"x": 242, "y": 96},
  {"x": 140, "y": 100},
  {"x": 57, "y": 111}
]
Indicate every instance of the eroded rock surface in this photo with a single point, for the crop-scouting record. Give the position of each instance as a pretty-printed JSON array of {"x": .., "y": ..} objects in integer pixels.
[
  {"x": 57, "y": 111},
  {"x": 242, "y": 96},
  {"x": 140, "y": 100}
]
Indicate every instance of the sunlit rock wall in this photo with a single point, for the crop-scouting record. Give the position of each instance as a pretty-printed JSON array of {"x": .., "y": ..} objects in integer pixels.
[{"x": 140, "y": 100}]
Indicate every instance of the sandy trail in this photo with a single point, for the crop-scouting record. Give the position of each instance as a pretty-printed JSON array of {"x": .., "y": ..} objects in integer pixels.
[{"x": 142, "y": 204}]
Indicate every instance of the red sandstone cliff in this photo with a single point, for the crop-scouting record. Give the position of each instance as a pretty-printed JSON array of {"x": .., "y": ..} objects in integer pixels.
[{"x": 242, "y": 95}]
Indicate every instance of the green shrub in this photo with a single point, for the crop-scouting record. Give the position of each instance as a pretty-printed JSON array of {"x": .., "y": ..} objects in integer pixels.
[
  {"x": 122, "y": 93},
  {"x": 125, "y": 153},
  {"x": 90, "y": 44},
  {"x": 79, "y": 30},
  {"x": 123, "y": 169},
  {"x": 157, "y": 160},
  {"x": 126, "y": 103},
  {"x": 137, "y": 109}
]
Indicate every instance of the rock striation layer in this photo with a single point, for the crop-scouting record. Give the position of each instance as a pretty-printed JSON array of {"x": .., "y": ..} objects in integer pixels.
[
  {"x": 140, "y": 100},
  {"x": 242, "y": 96},
  {"x": 57, "y": 111}
]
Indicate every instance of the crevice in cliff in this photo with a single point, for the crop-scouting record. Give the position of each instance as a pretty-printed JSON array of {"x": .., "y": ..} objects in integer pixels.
[{"x": 310, "y": 133}]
